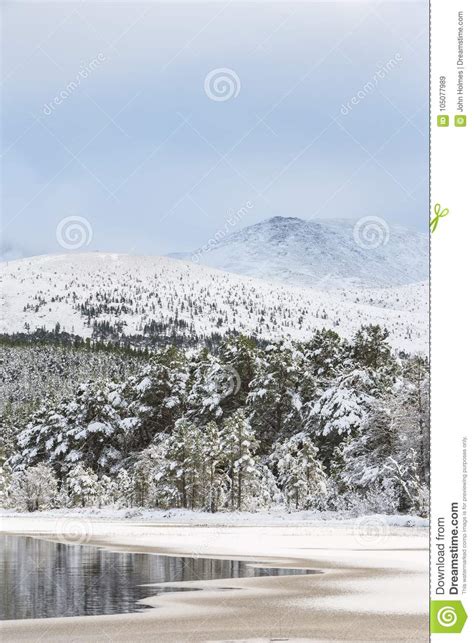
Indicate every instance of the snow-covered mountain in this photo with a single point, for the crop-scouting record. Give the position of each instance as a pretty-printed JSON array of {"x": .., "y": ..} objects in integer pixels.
[
  {"x": 325, "y": 253},
  {"x": 132, "y": 293}
]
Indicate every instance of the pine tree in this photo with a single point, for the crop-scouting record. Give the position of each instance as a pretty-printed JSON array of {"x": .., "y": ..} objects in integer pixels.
[
  {"x": 340, "y": 412},
  {"x": 233, "y": 426},
  {"x": 370, "y": 347},
  {"x": 34, "y": 489},
  {"x": 122, "y": 488},
  {"x": 5, "y": 484},
  {"x": 365, "y": 454},
  {"x": 183, "y": 464},
  {"x": 273, "y": 395},
  {"x": 83, "y": 486},
  {"x": 413, "y": 401},
  {"x": 157, "y": 395},
  {"x": 240, "y": 353},
  {"x": 108, "y": 490},
  {"x": 44, "y": 440},
  {"x": 212, "y": 387},
  {"x": 299, "y": 472},
  {"x": 240, "y": 445},
  {"x": 154, "y": 482},
  {"x": 214, "y": 474},
  {"x": 325, "y": 353},
  {"x": 413, "y": 496}
]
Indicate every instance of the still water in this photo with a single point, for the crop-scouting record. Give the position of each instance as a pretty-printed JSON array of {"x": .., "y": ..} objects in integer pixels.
[{"x": 42, "y": 579}]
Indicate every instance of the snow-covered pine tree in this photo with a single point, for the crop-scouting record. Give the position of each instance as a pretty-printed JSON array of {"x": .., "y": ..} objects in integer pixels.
[
  {"x": 274, "y": 395},
  {"x": 172, "y": 427},
  {"x": 34, "y": 488},
  {"x": 365, "y": 453},
  {"x": 413, "y": 494},
  {"x": 214, "y": 468},
  {"x": 324, "y": 354},
  {"x": 340, "y": 411},
  {"x": 83, "y": 486},
  {"x": 138, "y": 488},
  {"x": 44, "y": 440},
  {"x": 370, "y": 347},
  {"x": 108, "y": 490},
  {"x": 262, "y": 490},
  {"x": 412, "y": 396},
  {"x": 384, "y": 448},
  {"x": 122, "y": 488},
  {"x": 240, "y": 446},
  {"x": 182, "y": 461},
  {"x": 8, "y": 431},
  {"x": 94, "y": 428},
  {"x": 300, "y": 473},
  {"x": 212, "y": 387},
  {"x": 5, "y": 484},
  {"x": 153, "y": 476},
  {"x": 240, "y": 353},
  {"x": 157, "y": 396}
]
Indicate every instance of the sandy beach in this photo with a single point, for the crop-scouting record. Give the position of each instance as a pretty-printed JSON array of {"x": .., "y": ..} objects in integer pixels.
[{"x": 373, "y": 586}]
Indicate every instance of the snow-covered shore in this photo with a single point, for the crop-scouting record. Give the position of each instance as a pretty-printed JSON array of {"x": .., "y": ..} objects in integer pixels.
[
  {"x": 188, "y": 517},
  {"x": 373, "y": 586}
]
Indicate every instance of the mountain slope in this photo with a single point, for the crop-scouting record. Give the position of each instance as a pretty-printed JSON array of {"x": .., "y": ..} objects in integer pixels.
[
  {"x": 130, "y": 292},
  {"x": 324, "y": 253}
]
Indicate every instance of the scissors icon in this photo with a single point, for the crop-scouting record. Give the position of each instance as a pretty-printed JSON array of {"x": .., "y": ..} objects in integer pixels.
[{"x": 439, "y": 214}]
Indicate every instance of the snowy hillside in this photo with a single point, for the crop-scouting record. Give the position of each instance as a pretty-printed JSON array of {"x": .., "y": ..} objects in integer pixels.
[
  {"x": 134, "y": 295},
  {"x": 323, "y": 253}
]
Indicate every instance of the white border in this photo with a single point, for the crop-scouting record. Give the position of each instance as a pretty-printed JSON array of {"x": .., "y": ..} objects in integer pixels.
[{"x": 452, "y": 265}]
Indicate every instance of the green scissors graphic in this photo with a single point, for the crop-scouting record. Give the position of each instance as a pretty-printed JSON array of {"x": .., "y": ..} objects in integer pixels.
[{"x": 439, "y": 214}]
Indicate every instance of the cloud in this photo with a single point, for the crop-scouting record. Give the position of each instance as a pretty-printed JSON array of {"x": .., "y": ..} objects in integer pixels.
[
  {"x": 139, "y": 149},
  {"x": 9, "y": 251}
]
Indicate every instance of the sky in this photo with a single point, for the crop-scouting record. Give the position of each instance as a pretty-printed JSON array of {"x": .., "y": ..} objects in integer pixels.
[{"x": 150, "y": 125}]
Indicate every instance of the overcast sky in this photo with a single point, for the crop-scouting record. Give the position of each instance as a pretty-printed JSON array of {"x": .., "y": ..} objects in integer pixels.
[{"x": 152, "y": 157}]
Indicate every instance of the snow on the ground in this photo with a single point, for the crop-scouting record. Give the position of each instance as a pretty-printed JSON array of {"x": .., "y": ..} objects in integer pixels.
[
  {"x": 132, "y": 291},
  {"x": 202, "y": 518},
  {"x": 368, "y": 569},
  {"x": 358, "y": 597},
  {"x": 321, "y": 253}
]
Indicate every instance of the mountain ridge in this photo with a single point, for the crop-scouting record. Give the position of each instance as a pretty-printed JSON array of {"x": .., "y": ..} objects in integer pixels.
[{"x": 322, "y": 253}]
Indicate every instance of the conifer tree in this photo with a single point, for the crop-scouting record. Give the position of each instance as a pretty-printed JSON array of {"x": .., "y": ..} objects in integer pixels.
[
  {"x": 183, "y": 465},
  {"x": 240, "y": 445},
  {"x": 370, "y": 347},
  {"x": 299, "y": 472},
  {"x": 83, "y": 486},
  {"x": 214, "y": 475},
  {"x": 34, "y": 488},
  {"x": 274, "y": 394}
]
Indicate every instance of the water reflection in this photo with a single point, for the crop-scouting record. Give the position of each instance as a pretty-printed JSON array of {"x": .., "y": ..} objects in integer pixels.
[{"x": 42, "y": 579}]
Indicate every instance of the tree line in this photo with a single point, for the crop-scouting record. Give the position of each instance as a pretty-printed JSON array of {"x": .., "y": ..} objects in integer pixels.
[{"x": 325, "y": 424}]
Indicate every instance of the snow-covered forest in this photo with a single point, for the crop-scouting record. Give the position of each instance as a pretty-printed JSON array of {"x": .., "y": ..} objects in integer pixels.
[
  {"x": 325, "y": 424},
  {"x": 155, "y": 300}
]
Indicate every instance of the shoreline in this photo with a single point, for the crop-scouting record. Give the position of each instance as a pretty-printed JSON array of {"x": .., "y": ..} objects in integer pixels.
[{"x": 374, "y": 590}]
